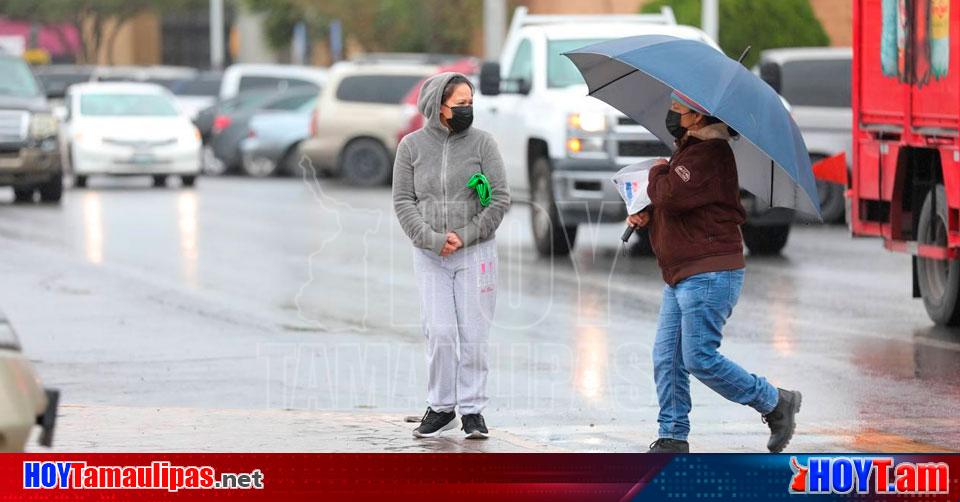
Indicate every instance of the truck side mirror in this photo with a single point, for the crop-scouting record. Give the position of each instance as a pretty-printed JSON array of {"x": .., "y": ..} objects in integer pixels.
[{"x": 490, "y": 79}]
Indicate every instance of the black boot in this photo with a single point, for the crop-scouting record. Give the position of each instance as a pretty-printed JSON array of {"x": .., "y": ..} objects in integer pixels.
[
  {"x": 667, "y": 445},
  {"x": 782, "y": 420}
]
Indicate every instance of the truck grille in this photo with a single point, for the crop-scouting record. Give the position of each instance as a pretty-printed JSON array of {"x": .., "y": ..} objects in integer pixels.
[
  {"x": 13, "y": 126},
  {"x": 652, "y": 148}
]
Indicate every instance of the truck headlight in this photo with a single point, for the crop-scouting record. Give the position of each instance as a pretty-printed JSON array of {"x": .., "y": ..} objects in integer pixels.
[
  {"x": 585, "y": 145},
  {"x": 43, "y": 125},
  {"x": 587, "y": 121}
]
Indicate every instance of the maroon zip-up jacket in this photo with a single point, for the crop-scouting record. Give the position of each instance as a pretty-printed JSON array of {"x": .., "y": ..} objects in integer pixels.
[{"x": 696, "y": 210}]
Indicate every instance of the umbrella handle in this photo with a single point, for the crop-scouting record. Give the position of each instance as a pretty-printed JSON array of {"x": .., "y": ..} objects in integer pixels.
[{"x": 627, "y": 233}]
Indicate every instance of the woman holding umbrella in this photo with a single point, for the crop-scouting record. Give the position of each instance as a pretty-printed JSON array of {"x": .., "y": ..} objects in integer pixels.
[{"x": 694, "y": 227}]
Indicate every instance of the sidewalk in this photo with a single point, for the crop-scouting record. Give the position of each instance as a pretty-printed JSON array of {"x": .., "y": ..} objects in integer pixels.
[
  {"x": 98, "y": 428},
  {"x": 82, "y": 428}
]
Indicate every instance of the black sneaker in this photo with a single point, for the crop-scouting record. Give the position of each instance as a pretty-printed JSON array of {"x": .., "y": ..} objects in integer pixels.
[
  {"x": 474, "y": 427},
  {"x": 435, "y": 422},
  {"x": 782, "y": 420},
  {"x": 667, "y": 445}
]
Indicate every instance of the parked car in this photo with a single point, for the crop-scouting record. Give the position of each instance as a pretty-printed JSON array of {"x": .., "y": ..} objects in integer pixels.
[
  {"x": 273, "y": 139},
  {"x": 56, "y": 78},
  {"x": 359, "y": 116},
  {"x": 165, "y": 76},
  {"x": 232, "y": 129},
  {"x": 816, "y": 82},
  {"x": 24, "y": 403},
  {"x": 29, "y": 151},
  {"x": 206, "y": 117},
  {"x": 129, "y": 129},
  {"x": 197, "y": 93},
  {"x": 470, "y": 67},
  {"x": 240, "y": 78}
]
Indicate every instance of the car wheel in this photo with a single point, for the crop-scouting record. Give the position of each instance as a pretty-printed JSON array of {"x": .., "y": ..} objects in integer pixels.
[
  {"x": 80, "y": 181},
  {"x": 23, "y": 194},
  {"x": 939, "y": 280},
  {"x": 832, "y": 201},
  {"x": 188, "y": 180},
  {"x": 260, "y": 167},
  {"x": 211, "y": 164},
  {"x": 550, "y": 237},
  {"x": 159, "y": 181},
  {"x": 365, "y": 162},
  {"x": 52, "y": 190},
  {"x": 767, "y": 240}
]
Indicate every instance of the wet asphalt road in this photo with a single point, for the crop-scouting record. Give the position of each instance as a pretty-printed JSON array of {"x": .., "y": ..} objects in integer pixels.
[{"x": 286, "y": 294}]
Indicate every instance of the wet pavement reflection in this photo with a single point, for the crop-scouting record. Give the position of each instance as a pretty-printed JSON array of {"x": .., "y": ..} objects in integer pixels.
[{"x": 268, "y": 295}]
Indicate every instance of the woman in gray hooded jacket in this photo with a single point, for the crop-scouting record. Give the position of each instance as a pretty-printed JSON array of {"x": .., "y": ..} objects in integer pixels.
[{"x": 455, "y": 257}]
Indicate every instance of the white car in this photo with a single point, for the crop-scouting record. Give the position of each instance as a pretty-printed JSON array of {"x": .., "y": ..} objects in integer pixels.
[
  {"x": 129, "y": 129},
  {"x": 240, "y": 78}
]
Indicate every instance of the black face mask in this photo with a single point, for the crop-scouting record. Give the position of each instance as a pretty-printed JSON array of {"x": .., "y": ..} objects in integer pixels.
[
  {"x": 673, "y": 124},
  {"x": 462, "y": 118}
]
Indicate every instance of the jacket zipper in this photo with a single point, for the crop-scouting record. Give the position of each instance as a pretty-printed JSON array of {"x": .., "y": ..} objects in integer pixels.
[{"x": 443, "y": 181}]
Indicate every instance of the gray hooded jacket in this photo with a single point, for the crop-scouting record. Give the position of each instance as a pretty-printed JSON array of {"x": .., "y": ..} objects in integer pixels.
[{"x": 430, "y": 175}]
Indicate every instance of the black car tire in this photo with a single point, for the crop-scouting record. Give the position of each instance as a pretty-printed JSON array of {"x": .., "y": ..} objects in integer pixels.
[
  {"x": 52, "y": 190},
  {"x": 365, "y": 162},
  {"x": 550, "y": 237},
  {"x": 765, "y": 240},
  {"x": 188, "y": 180},
  {"x": 80, "y": 181},
  {"x": 159, "y": 181},
  {"x": 939, "y": 280},
  {"x": 23, "y": 195}
]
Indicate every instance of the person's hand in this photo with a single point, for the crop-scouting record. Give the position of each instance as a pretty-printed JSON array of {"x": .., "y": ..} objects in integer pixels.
[
  {"x": 661, "y": 162},
  {"x": 453, "y": 244},
  {"x": 638, "y": 220}
]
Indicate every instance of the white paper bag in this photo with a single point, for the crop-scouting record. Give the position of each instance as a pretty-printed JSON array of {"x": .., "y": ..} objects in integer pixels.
[{"x": 631, "y": 182}]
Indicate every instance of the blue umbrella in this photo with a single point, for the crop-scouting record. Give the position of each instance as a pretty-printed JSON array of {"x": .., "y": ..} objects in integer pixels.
[{"x": 637, "y": 74}]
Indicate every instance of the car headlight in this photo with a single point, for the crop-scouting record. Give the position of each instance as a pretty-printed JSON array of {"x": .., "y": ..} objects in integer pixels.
[
  {"x": 588, "y": 121},
  {"x": 43, "y": 125}
]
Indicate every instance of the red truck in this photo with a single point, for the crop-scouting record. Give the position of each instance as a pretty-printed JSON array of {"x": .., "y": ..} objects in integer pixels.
[{"x": 905, "y": 179}]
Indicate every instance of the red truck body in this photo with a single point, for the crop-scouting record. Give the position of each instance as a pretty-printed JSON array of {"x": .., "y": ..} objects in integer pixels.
[{"x": 906, "y": 136}]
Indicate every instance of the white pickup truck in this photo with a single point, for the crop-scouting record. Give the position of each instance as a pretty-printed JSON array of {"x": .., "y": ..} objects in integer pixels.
[{"x": 560, "y": 146}]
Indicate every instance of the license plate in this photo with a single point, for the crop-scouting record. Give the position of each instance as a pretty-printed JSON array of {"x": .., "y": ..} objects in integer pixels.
[{"x": 143, "y": 158}]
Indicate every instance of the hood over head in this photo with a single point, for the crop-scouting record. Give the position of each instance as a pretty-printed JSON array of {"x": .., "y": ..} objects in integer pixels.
[{"x": 431, "y": 97}]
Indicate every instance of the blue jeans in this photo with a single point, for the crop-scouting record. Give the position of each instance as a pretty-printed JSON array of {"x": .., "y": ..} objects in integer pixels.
[{"x": 688, "y": 335}]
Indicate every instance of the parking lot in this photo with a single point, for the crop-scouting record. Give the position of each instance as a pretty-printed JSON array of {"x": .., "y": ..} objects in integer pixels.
[{"x": 281, "y": 314}]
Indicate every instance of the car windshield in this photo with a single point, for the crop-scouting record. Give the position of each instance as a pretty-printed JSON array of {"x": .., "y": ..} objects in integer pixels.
[
  {"x": 250, "y": 100},
  {"x": 126, "y": 105},
  {"x": 561, "y": 72},
  {"x": 17, "y": 79},
  {"x": 199, "y": 87}
]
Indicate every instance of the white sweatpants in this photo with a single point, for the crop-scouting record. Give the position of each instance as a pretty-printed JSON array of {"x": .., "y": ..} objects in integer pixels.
[{"x": 457, "y": 300}]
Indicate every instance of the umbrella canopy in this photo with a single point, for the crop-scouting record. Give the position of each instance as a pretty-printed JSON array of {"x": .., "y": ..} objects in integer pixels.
[{"x": 637, "y": 74}]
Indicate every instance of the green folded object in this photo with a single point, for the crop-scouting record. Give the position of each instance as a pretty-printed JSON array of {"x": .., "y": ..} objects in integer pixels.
[{"x": 481, "y": 184}]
